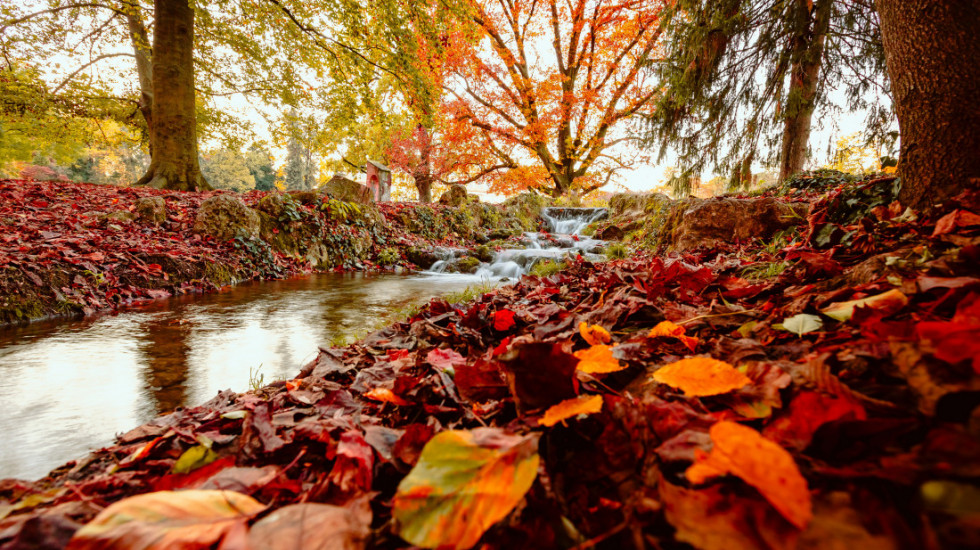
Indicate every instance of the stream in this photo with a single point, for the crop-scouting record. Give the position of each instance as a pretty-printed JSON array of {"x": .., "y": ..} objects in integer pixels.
[{"x": 67, "y": 387}]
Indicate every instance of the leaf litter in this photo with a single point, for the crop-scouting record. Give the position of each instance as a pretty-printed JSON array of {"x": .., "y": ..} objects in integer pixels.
[{"x": 474, "y": 425}]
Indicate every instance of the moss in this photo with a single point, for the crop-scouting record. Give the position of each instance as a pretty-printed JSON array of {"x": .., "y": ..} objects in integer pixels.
[
  {"x": 484, "y": 253},
  {"x": 20, "y": 309},
  {"x": 590, "y": 229},
  {"x": 469, "y": 264},
  {"x": 547, "y": 268},
  {"x": 388, "y": 256},
  {"x": 219, "y": 274},
  {"x": 616, "y": 251}
]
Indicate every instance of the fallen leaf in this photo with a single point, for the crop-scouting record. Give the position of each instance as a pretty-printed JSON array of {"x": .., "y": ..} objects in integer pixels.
[
  {"x": 385, "y": 395},
  {"x": 594, "y": 334},
  {"x": 583, "y": 404},
  {"x": 801, "y": 324},
  {"x": 313, "y": 527},
  {"x": 168, "y": 519},
  {"x": 769, "y": 468},
  {"x": 598, "y": 359},
  {"x": 669, "y": 329},
  {"x": 886, "y": 302},
  {"x": 701, "y": 376},
  {"x": 503, "y": 320},
  {"x": 464, "y": 482}
]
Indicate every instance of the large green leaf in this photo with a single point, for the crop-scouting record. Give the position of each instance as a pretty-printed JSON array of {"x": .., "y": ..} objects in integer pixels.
[{"x": 464, "y": 482}]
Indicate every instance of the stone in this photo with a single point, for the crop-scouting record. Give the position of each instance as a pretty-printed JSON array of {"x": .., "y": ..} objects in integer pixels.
[
  {"x": 455, "y": 196},
  {"x": 466, "y": 264},
  {"x": 120, "y": 216},
  {"x": 610, "y": 233},
  {"x": 710, "y": 222},
  {"x": 225, "y": 216},
  {"x": 483, "y": 253},
  {"x": 346, "y": 189},
  {"x": 502, "y": 234},
  {"x": 421, "y": 257},
  {"x": 152, "y": 210}
]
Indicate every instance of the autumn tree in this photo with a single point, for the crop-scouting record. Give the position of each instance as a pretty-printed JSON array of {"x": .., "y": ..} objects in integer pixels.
[
  {"x": 932, "y": 48},
  {"x": 744, "y": 78},
  {"x": 558, "y": 81}
]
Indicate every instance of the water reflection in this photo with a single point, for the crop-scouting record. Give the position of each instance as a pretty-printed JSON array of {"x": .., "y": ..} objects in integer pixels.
[{"x": 67, "y": 387}]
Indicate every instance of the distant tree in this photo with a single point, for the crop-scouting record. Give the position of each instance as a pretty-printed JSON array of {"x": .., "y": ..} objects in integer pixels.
[
  {"x": 227, "y": 169},
  {"x": 743, "y": 79},
  {"x": 259, "y": 162}
]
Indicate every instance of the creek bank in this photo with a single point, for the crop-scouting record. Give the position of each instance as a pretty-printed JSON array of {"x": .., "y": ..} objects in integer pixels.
[
  {"x": 655, "y": 222},
  {"x": 70, "y": 249},
  {"x": 874, "y": 413}
]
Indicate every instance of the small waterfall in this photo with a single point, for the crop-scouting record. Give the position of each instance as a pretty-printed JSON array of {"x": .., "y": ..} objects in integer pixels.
[{"x": 564, "y": 237}]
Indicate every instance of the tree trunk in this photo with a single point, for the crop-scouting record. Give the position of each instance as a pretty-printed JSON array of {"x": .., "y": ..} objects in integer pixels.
[
  {"x": 144, "y": 63},
  {"x": 807, "y": 56},
  {"x": 424, "y": 186},
  {"x": 173, "y": 164},
  {"x": 423, "y": 172},
  {"x": 932, "y": 48}
]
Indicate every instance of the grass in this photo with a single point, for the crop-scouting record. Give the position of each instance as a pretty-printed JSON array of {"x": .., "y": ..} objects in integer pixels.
[
  {"x": 469, "y": 293},
  {"x": 256, "y": 380},
  {"x": 547, "y": 268},
  {"x": 616, "y": 251}
]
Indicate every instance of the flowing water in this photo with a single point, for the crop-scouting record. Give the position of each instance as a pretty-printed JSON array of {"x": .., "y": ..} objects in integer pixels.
[{"x": 69, "y": 386}]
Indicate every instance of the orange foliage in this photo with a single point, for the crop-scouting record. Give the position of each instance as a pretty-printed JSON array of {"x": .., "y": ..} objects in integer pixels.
[
  {"x": 761, "y": 463},
  {"x": 583, "y": 404},
  {"x": 594, "y": 334},
  {"x": 667, "y": 328},
  {"x": 597, "y": 359},
  {"x": 701, "y": 376},
  {"x": 560, "y": 103},
  {"x": 385, "y": 395}
]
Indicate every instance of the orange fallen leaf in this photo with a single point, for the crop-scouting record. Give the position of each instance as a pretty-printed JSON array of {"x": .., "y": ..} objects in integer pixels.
[
  {"x": 701, "y": 376},
  {"x": 594, "y": 334},
  {"x": 669, "y": 329},
  {"x": 761, "y": 463},
  {"x": 583, "y": 404},
  {"x": 385, "y": 396},
  {"x": 597, "y": 359},
  {"x": 463, "y": 483}
]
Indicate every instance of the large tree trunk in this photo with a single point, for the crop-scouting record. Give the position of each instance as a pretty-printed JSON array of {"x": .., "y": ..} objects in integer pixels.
[
  {"x": 932, "y": 49},
  {"x": 144, "y": 62},
  {"x": 807, "y": 56},
  {"x": 174, "y": 163},
  {"x": 423, "y": 172}
]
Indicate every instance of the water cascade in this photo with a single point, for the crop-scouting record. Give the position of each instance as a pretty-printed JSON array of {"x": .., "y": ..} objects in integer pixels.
[{"x": 564, "y": 236}]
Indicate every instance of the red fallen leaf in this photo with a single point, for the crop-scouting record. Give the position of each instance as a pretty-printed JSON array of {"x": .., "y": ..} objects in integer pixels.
[
  {"x": 445, "y": 359},
  {"x": 808, "y": 411},
  {"x": 503, "y": 319},
  {"x": 539, "y": 375},
  {"x": 353, "y": 470},
  {"x": 953, "y": 342},
  {"x": 261, "y": 424},
  {"x": 481, "y": 381},
  {"x": 954, "y": 220}
]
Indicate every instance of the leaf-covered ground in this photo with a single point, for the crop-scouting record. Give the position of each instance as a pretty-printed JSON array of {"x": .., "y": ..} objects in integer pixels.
[
  {"x": 74, "y": 248},
  {"x": 653, "y": 402}
]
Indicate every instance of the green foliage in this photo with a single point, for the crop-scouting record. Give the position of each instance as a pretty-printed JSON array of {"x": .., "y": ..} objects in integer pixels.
[
  {"x": 339, "y": 210},
  {"x": 227, "y": 169},
  {"x": 389, "y": 256},
  {"x": 547, "y": 268},
  {"x": 259, "y": 163},
  {"x": 616, "y": 251},
  {"x": 469, "y": 293}
]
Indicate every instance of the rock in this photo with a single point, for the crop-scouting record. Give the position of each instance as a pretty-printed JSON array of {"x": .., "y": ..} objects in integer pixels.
[
  {"x": 709, "y": 222},
  {"x": 421, "y": 257},
  {"x": 345, "y": 189},
  {"x": 152, "y": 210},
  {"x": 225, "y": 216},
  {"x": 610, "y": 233},
  {"x": 483, "y": 253},
  {"x": 455, "y": 196},
  {"x": 502, "y": 234},
  {"x": 120, "y": 216},
  {"x": 466, "y": 264}
]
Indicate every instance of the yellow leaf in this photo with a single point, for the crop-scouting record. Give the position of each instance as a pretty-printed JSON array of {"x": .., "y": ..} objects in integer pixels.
[
  {"x": 166, "y": 519},
  {"x": 463, "y": 483},
  {"x": 761, "y": 463},
  {"x": 887, "y": 302},
  {"x": 597, "y": 359},
  {"x": 594, "y": 334},
  {"x": 701, "y": 376},
  {"x": 669, "y": 329},
  {"x": 583, "y": 404}
]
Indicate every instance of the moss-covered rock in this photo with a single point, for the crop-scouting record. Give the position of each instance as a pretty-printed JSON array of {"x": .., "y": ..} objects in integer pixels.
[
  {"x": 423, "y": 258},
  {"x": 455, "y": 196},
  {"x": 466, "y": 264},
  {"x": 225, "y": 216},
  {"x": 523, "y": 212},
  {"x": 152, "y": 210},
  {"x": 484, "y": 253}
]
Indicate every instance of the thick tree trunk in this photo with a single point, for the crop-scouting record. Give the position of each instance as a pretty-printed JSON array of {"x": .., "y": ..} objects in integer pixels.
[
  {"x": 423, "y": 184},
  {"x": 423, "y": 172},
  {"x": 932, "y": 49},
  {"x": 144, "y": 63},
  {"x": 174, "y": 163},
  {"x": 807, "y": 56}
]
